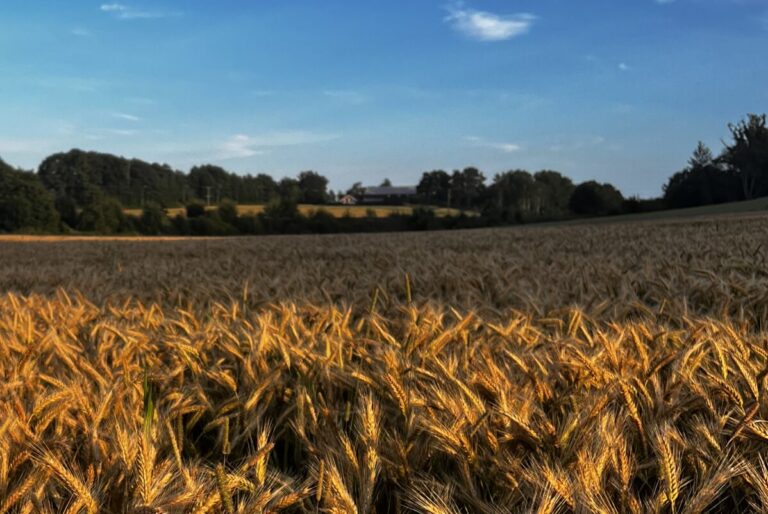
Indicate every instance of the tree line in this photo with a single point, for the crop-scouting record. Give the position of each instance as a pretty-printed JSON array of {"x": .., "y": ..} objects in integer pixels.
[{"x": 89, "y": 192}]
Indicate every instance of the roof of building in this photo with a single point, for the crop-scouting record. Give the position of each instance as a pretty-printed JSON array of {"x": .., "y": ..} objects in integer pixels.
[{"x": 390, "y": 191}]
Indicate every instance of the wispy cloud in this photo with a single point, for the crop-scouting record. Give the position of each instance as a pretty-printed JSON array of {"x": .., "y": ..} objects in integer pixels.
[
  {"x": 79, "y": 84},
  {"x": 578, "y": 144},
  {"x": 243, "y": 145},
  {"x": 126, "y": 12},
  {"x": 347, "y": 96},
  {"x": 486, "y": 26},
  {"x": 16, "y": 146},
  {"x": 113, "y": 8},
  {"x": 239, "y": 146},
  {"x": 126, "y": 117},
  {"x": 501, "y": 147},
  {"x": 123, "y": 132},
  {"x": 80, "y": 32},
  {"x": 624, "y": 66}
]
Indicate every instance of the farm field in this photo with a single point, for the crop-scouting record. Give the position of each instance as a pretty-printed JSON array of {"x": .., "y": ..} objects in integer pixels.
[
  {"x": 355, "y": 211},
  {"x": 741, "y": 208},
  {"x": 563, "y": 368}
]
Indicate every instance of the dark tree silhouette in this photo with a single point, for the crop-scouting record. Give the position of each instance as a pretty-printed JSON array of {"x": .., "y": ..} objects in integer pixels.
[
  {"x": 747, "y": 155},
  {"x": 705, "y": 181},
  {"x": 594, "y": 199},
  {"x": 467, "y": 187},
  {"x": 434, "y": 187},
  {"x": 313, "y": 188},
  {"x": 24, "y": 202},
  {"x": 555, "y": 192}
]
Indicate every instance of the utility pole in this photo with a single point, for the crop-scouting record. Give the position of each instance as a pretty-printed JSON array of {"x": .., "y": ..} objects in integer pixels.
[{"x": 208, "y": 195}]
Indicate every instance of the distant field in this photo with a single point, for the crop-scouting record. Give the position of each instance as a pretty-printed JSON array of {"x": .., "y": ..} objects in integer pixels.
[
  {"x": 745, "y": 207},
  {"x": 355, "y": 211},
  {"x": 361, "y": 211}
]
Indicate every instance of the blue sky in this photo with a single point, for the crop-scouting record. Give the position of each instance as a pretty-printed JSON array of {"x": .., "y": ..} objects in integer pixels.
[{"x": 615, "y": 90}]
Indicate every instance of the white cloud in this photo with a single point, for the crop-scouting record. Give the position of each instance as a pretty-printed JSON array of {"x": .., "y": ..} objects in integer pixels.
[
  {"x": 113, "y": 8},
  {"x": 239, "y": 146},
  {"x": 126, "y": 117},
  {"x": 501, "y": 147},
  {"x": 123, "y": 132},
  {"x": 125, "y": 12},
  {"x": 80, "y": 32},
  {"x": 80, "y": 84},
  {"x": 242, "y": 145},
  {"x": 485, "y": 26},
  {"x": 624, "y": 66}
]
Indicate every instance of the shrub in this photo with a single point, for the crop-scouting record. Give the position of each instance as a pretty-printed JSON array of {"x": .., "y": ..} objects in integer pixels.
[
  {"x": 103, "y": 215},
  {"x": 195, "y": 210}
]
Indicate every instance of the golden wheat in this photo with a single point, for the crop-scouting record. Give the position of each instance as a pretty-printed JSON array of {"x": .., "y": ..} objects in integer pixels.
[{"x": 607, "y": 368}]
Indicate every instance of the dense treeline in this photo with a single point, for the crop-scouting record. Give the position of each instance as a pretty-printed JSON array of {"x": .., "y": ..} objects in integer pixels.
[
  {"x": 89, "y": 192},
  {"x": 740, "y": 172}
]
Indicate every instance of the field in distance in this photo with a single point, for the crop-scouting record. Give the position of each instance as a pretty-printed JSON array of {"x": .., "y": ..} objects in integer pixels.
[
  {"x": 616, "y": 367},
  {"x": 355, "y": 211}
]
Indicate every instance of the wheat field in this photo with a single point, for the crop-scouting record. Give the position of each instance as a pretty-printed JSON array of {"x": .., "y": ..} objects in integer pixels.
[
  {"x": 571, "y": 369},
  {"x": 338, "y": 211}
]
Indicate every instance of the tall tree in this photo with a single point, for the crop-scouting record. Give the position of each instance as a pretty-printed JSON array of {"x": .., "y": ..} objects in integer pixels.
[
  {"x": 356, "y": 190},
  {"x": 210, "y": 183},
  {"x": 594, "y": 199},
  {"x": 434, "y": 187},
  {"x": 24, "y": 202},
  {"x": 313, "y": 187},
  {"x": 555, "y": 192},
  {"x": 747, "y": 155},
  {"x": 289, "y": 190},
  {"x": 515, "y": 191},
  {"x": 705, "y": 181},
  {"x": 467, "y": 187}
]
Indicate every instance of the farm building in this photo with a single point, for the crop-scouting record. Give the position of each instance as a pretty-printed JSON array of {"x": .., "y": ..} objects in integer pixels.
[
  {"x": 389, "y": 195},
  {"x": 348, "y": 200}
]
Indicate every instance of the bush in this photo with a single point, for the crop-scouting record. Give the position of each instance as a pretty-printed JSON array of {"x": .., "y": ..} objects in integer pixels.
[
  {"x": 636, "y": 205},
  {"x": 67, "y": 209},
  {"x": 228, "y": 212},
  {"x": 103, "y": 215},
  {"x": 423, "y": 218},
  {"x": 153, "y": 220},
  {"x": 180, "y": 225},
  {"x": 282, "y": 209},
  {"x": 195, "y": 210},
  {"x": 249, "y": 224},
  {"x": 210, "y": 225},
  {"x": 322, "y": 222}
]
